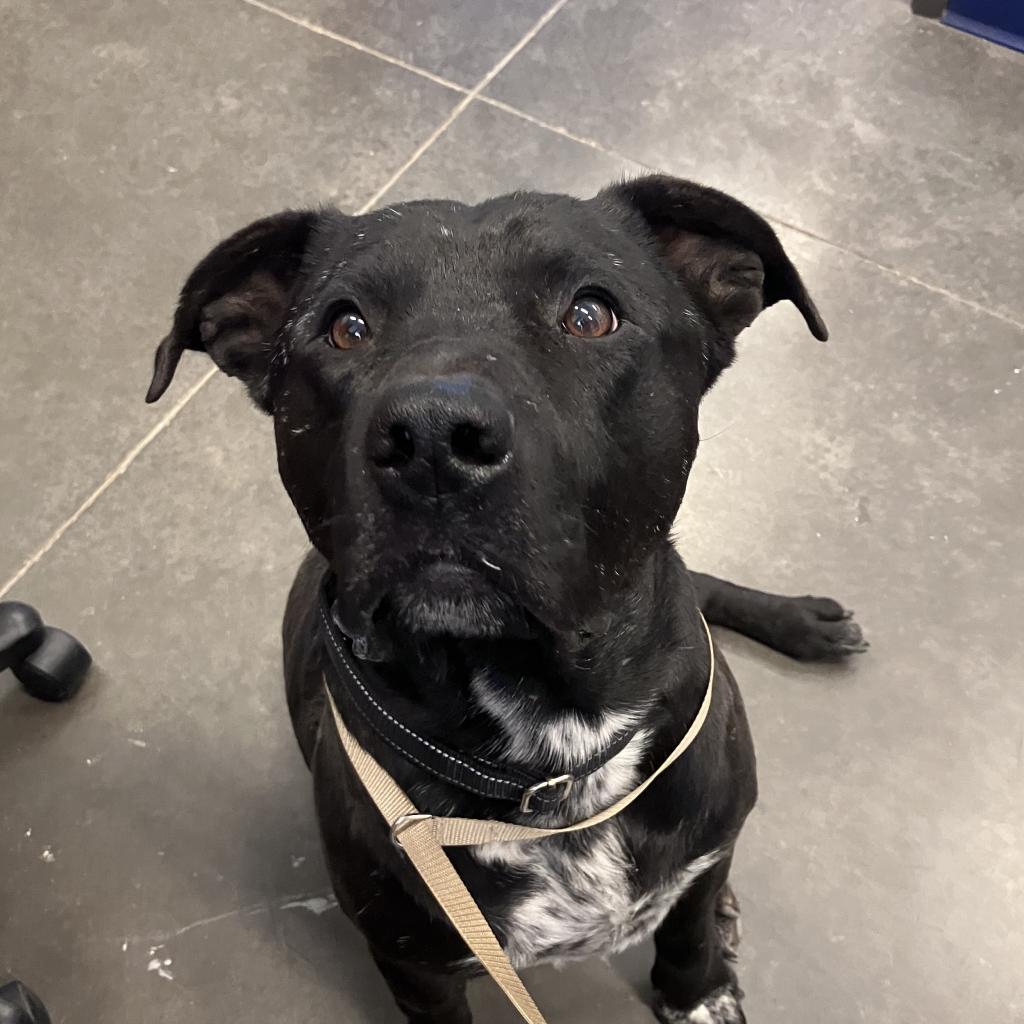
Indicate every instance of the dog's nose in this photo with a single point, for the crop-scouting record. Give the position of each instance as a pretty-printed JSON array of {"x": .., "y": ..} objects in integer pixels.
[{"x": 440, "y": 436}]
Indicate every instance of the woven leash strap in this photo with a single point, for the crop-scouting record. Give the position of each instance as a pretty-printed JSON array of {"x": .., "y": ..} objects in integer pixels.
[{"x": 423, "y": 837}]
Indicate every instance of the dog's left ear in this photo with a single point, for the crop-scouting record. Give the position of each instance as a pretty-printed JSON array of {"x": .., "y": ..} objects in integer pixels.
[
  {"x": 727, "y": 254},
  {"x": 235, "y": 301}
]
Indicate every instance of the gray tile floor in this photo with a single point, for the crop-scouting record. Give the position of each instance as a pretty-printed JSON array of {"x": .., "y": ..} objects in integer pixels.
[{"x": 164, "y": 817}]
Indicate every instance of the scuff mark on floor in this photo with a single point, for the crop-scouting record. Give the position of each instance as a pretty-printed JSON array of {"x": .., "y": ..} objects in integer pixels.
[{"x": 316, "y": 903}]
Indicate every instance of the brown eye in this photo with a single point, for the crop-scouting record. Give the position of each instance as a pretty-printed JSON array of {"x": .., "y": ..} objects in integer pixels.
[
  {"x": 590, "y": 317},
  {"x": 348, "y": 329}
]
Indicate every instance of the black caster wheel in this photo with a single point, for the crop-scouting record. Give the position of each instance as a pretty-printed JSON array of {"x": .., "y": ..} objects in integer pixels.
[
  {"x": 20, "y": 1005},
  {"x": 49, "y": 663},
  {"x": 21, "y": 632}
]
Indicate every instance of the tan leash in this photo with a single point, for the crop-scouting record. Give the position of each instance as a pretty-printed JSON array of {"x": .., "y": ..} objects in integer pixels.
[{"x": 423, "y": 837}]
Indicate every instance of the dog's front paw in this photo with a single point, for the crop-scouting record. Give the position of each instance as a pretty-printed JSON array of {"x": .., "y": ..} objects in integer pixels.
[
  {"x": 817, "y": 629},
  {"x": 721, "y": 1007}
]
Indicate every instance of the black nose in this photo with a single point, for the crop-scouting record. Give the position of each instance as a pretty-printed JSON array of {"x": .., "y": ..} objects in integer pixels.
[{"x": 440, "y": 436}]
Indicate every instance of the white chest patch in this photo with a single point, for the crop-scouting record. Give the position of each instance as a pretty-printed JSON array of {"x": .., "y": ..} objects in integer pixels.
[
  {"x": 580, "y": 893},
  {"x": 582, "y": 902}
]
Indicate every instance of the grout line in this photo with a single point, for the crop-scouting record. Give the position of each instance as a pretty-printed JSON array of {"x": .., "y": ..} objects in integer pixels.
[
  {"x": 895, "y": 272},
  {"x": 468, "y": 96},
  {"x": 771, "y": 218},
  {"x": 320, "y": 30},
  {"x": 118, "y": 471},
  {"x": 417, "y": 153},
  {"x": 557, "y": 129},
  {"x": 519, "y": 47},
  {"x": 462, "y": 104}
]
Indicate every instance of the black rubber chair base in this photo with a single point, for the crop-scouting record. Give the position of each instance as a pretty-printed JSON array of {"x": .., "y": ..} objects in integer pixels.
[
  {"x": 20, "y": 1005},
  {"x": 56, "y": 669}
]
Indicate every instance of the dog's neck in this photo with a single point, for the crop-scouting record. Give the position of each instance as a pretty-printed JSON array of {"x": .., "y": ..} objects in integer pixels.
[{"x": 556, "y": 695}]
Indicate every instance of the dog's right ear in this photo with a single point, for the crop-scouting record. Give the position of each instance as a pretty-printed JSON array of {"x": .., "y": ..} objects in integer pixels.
[{"x": 235, "y": 301}]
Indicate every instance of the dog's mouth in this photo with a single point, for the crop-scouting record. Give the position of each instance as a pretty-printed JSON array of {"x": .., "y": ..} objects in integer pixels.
[
  {"x": 447, "y": 598},
  {"x": 435, "y": 594}
]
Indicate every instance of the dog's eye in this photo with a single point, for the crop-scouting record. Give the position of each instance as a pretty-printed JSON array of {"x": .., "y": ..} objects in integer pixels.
[
  {"x": 590, "y": 317},
  {"x": 348, "y": 329}
]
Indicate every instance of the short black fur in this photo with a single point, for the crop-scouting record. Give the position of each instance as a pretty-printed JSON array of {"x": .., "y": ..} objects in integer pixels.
[{"x": 495, "y": 497}]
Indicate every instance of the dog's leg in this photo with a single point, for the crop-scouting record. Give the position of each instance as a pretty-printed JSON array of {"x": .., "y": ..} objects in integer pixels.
[
  {"x": 728, "y": 922},
  {"x": 693, "y": 982},
  {"x": 808, "y": 628},
  {"x": 424, "y": 995}
]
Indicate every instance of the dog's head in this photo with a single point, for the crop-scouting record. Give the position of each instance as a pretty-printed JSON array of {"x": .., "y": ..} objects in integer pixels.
[{"x": 486, "y": 415}]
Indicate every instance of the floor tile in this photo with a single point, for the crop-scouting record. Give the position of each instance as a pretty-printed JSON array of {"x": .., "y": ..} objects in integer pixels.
[
  {"x": 488, "y": 151},
  {"x": 460, "y": 40},
  {"x": 884, "y": 132},
  {"x": 136, "y": 136}
]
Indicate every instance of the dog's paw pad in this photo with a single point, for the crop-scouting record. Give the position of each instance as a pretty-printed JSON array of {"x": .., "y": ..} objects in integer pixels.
[{"x": 721, "y": 1007}]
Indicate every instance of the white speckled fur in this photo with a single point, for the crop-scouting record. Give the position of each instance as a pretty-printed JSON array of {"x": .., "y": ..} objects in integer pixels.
[
  {"x": 721, "y": 1007},
  {"x": 581, "y": 900},
  {"x": 564, "y": 738}
]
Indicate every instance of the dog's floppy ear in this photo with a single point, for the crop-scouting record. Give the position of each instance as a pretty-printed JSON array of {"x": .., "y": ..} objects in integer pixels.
[
  {"x": 235, "y": 301},
  {"x": 728, "y": 255}
]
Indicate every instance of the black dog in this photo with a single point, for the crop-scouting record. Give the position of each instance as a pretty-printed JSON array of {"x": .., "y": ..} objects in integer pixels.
[{"x": 485, "y": 417}]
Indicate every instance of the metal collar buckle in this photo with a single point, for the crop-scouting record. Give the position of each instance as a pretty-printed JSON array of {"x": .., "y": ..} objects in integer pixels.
[{"x": 565, "y": 781}]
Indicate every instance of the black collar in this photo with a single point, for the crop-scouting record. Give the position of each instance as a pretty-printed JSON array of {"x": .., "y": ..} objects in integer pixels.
[{"x": 356, "y": 691}]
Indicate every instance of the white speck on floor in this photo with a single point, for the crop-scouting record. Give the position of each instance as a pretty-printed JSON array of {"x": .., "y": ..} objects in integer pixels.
[
  {"x": 28, "y": 833},
  {"x": 160, "y": 966},
  {"x": 47, "y": 855},
  {"x": 297, "y": 862},
  {"x": 124, "y": 946},
  {"x": 137, "y": 743}
]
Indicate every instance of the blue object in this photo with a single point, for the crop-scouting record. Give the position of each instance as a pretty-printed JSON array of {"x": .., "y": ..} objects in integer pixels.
[{"x": 1001, "y": 21}]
